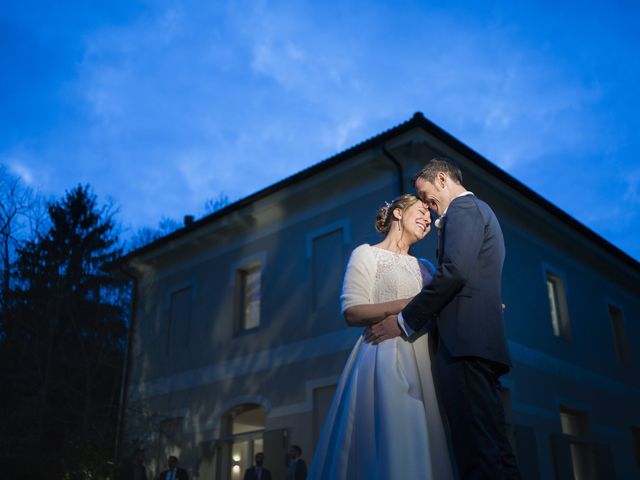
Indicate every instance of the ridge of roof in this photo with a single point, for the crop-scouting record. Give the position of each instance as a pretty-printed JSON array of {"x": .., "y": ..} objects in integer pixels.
[{"x": 417, "y": 120}]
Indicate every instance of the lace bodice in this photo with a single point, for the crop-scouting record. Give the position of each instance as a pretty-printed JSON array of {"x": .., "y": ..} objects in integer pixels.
[{"x": 375, "y": 275}]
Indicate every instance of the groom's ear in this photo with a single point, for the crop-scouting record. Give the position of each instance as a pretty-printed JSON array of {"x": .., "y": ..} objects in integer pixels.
[{"x": 441, "y": 179}]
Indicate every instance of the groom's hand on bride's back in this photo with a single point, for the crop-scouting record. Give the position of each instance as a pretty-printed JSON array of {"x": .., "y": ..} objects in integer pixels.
[{"x": 384, "y": 330}]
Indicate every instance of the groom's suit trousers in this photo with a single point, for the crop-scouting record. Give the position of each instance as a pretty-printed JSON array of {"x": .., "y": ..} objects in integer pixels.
[{"x": 469, "y": 394}]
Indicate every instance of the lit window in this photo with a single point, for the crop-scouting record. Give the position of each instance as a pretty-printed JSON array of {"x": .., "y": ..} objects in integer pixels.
[
  {"x": 249, "y": 280},
  {"x": 575, "y": 425},
  {"x": 574, "y": 422},
  {"x": 619, "y": 334},
  {"x": 558, "y": 306}
]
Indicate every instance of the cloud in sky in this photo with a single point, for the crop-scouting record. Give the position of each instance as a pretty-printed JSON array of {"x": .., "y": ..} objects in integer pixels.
[
  {"x": 22, "y": 171},
  {"x": 163, "y": 105}
]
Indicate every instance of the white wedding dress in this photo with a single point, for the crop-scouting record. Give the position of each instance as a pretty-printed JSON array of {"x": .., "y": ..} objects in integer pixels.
[{"x": 384, "y": 422}]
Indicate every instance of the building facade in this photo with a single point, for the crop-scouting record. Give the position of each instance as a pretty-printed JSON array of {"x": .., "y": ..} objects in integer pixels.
[{"x": 237, "y": 341}]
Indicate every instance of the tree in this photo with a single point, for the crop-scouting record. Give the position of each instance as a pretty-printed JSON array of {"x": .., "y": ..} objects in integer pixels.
[
  {"x": 21, "y": 217},
  {"x": 147, "y": 235},
  {"x": 167, "y": 225},
  {"x": 63, "y": 343},
  {"x": 214, "y": 204}
]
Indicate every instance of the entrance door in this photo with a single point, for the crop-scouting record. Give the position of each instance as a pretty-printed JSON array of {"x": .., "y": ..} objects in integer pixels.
[
  {"x": 243, "y": 451},
  {"x": 244, "y": 437}
]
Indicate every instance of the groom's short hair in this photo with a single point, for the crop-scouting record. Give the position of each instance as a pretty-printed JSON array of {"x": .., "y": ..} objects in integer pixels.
[{"x": 439, "y": 164}]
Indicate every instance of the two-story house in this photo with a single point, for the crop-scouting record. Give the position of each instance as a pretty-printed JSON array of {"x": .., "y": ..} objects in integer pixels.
[{"x": 237, "y": 341}]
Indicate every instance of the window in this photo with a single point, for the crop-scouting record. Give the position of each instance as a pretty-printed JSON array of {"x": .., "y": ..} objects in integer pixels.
[
  {"x": 327, "y": 269},
  {"x": 619, "y": 334},
  {"x": 635, "y": 432},
  {"x": 179, "y": 321},
  {"x": 575, "y": 426},
  {"x": 248, "y": 297},
  {"x": 322, "y": 398},
  {"x": 574, "y": 422},
  {"x": 558, "y": 306}
]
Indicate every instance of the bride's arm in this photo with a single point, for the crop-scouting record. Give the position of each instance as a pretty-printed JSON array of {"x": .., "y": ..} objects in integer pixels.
[
  {"x": 370, "y": 314},
  {"x": 359, "y": 279}
]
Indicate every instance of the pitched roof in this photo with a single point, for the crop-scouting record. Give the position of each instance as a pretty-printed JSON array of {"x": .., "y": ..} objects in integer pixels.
[{"x": 417, "y": 120}]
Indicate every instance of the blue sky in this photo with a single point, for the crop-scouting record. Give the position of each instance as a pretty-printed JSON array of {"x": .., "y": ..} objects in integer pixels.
[{"x": 162, "y": 105}]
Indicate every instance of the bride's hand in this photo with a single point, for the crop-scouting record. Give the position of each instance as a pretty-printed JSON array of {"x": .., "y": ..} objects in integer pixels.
[{"x": 384, "y": 330}]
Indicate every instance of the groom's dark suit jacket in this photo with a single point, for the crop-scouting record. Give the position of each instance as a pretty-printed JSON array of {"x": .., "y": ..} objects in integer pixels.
[{"x": 463, "y": 302}]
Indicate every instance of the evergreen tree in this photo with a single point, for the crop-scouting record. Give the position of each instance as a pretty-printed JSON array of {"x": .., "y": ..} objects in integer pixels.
[{"x": 63, "y": 344}]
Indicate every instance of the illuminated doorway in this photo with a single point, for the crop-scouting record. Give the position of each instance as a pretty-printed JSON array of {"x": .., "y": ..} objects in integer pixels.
[{"x": 244, "y": 428}]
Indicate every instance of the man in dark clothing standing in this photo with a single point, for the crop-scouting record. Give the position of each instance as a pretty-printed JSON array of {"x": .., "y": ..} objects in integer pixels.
[
  {"x": 258, "y": 472},
  {"x": 173, "y": 472},
  {"x": 297, "y": 466},
  {"x": 135, "y": 469}
]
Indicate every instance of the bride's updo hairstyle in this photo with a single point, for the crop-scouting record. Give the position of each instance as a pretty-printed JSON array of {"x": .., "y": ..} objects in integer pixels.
[{"x": 385, "y": 217}]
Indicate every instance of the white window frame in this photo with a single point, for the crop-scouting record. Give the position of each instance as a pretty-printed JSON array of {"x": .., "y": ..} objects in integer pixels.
[
  {"x": 558, "y": 304},
  {"x": 239, "y": 270}
]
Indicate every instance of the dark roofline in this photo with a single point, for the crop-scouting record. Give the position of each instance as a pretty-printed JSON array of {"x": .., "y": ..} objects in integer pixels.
[{"x": 418, "y": 120}]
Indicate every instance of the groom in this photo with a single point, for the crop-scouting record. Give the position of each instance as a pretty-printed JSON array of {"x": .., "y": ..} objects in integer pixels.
[{"x": 462, "y": 311}]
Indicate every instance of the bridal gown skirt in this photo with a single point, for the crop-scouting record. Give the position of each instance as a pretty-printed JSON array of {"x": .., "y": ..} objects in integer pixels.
[{"x": 384, "y": 422}]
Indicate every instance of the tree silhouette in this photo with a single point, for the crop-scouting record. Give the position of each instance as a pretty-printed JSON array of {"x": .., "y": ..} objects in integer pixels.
[
  {"x": 21, "y": 217},
  {"x": 62, "y": 344}
]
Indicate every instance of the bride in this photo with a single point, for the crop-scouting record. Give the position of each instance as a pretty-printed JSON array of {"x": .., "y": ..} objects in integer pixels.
[{"x": 384, "y": 422}]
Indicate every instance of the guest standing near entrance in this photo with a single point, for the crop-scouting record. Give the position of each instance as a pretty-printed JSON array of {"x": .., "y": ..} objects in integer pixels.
[
  {"x": 257, "y": 471},
  {"x": 297, "y": 466},
  {"x": 173, "y": 472},
  {"x": 135, "y": 469}
]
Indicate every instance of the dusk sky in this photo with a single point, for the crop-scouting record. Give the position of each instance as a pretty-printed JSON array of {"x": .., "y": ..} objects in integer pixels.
[{"x": 162, "y": 105}]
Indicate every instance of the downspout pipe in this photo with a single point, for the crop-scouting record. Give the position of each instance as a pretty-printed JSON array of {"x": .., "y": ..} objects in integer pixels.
[
  {"x": 399, "y": 168},
  {"x": 126, "y": 365}
]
